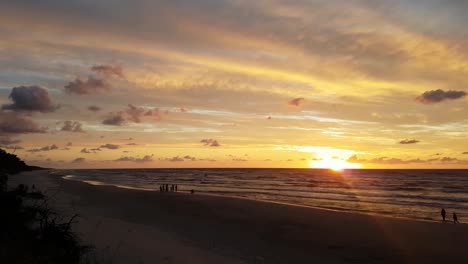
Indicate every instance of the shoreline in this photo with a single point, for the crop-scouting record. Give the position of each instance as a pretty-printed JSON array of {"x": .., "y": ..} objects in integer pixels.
[
  {"x": 219, "y": 229},
  {"x": 369, "y": 213}
]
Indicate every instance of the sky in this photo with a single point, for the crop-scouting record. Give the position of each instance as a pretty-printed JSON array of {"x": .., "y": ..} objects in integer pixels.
[{"x": 235, "y": 83}]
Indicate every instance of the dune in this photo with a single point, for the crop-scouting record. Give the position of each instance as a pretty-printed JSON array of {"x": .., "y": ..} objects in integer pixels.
[{"x": 133, "y": 226}]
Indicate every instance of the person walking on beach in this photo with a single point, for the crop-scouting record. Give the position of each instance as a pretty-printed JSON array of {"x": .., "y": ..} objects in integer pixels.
[
  {"x": 443, "y": 213},
  {"x": 455, "y": 218}
]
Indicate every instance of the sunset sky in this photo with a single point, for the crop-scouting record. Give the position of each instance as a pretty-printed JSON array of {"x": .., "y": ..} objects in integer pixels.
[{"x": 235, "y": 83}]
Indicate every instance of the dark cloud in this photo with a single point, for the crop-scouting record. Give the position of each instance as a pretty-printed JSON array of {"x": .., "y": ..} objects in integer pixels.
[
  {"x": 8, "y": 141},
  {"x": 437, "y": 96},
  {"x": 146, "y": 158},
  {"x": 11, "y": 147},
  {"x": 269, "y": 117},
  {"x": 210, "y": 142},
  {"x": 211, "y": 160},
  {"x": 108, "y": 70},
  {"x": 10, "y": 144},
  {"x": 78, "y": 160},
  {"x": 94, "y": 108},
  {"x": 239, "y": 159},
  {"x": 396, "y": 161},
  {"x": 13, "y": 123},
  {"x": 408, "y": 141},
  {"x": 175, "y": 159},
  {"x": 46, "y": 148},
  {"x": 448, "y": 159},
  {"x": 188, "y": 157},
  {"x": 296, "y": 101},
  {"x": 90, "y": 151},
  {"x": 465, "y": 153},
  {"x": 90, "y": 86},
  {"x": 110, "y": 146},
  {"x": 132, "y": 144},
  {"x": 136, "y": 114},
  {"x": 133, "y": 114},
  {"x": 72, "y": 126},
  {"x": 30, "y": 98},
  {"x": 384, "y": 160},
  {"x": 114, "y": 119}
]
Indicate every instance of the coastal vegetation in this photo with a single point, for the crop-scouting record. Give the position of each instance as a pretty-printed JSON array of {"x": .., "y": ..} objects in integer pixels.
[{"x": 30, "y": 230}]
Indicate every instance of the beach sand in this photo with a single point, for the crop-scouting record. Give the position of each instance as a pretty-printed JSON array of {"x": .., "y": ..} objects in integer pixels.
[{"x": 131, "y": 226}]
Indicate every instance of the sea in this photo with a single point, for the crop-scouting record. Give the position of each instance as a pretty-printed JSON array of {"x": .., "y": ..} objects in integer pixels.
[{"x": 417, "y": 194}]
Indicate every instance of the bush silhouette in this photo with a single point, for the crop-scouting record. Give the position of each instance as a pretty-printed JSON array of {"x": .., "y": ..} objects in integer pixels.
[{"x": 31, "y": 231}]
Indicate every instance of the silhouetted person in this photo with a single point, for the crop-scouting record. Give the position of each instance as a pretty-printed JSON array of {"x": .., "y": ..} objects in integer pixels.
[
  {"x": 443, "y": 214},
  {"x": 33, "y": 187},
  {"x": 176, "y": 187},
  {"x": 455, "y": 218},
  {"x": 192, "y": 191}
]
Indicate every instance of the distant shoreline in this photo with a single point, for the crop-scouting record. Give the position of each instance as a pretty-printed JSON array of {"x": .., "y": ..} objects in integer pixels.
[{"x": 187, "y": 192}]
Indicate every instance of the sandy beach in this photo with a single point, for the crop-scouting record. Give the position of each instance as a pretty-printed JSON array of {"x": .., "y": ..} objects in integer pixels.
[{"x": 131, "y": 226}]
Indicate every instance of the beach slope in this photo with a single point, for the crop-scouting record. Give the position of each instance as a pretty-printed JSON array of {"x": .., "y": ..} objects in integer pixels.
[{"x": 132, "y": 226}]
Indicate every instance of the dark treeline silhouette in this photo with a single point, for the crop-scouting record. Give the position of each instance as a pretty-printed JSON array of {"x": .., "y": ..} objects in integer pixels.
[
  {"x": 30, "y": 230},
  {"x": 10, "y": 163}
]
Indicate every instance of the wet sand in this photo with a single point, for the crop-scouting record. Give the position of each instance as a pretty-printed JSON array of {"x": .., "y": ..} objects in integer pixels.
[{"x": 131, "y": 226}]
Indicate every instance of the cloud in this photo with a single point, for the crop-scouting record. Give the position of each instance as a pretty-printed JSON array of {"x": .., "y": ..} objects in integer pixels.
[
  {"x": 132, "y": 144},
  {"x": 11, "y": 147},
  {"x": 8, "y": 141},
  {"x": 13, "y": 123},
  {"x": 72, "y": 126},
  {"x": 184, "y": 110},
  {"x": 69, "y": 144},
  {"x": 437, "y": 96},
  {"x": 188, "y": 157},
  {"x": 136, "y": 114},
  {"x": 90, "y": 86},
  {"x": 408, "y": 141},
  {"x": 210, "y": 142},
  {"x": 108, "y": 70},
  {"x": 78, "y": 160},
  {"x": 114, "y": 119},
  {"x": 239, "y": 159},
  {"x": 110, "y": 146},
  {"x": 30, "y": 98},
  {"x": 46, "y": 148},
  {"x": 90, "y": 151},
  {"x": 133, "y": 114},
  {"x": 297, "y": 101},
  {"x": 396, "y": 161},
  {"x": 386, "y": 160},
  {"x": 146, "y": 158},
  {"x": 175, "y": 159},
  {"x": 465, "y": 153},
  {"x": 94, "y": 108}
]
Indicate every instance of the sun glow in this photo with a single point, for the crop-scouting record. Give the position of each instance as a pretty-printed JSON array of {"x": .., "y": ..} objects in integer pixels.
[{"x": 333, "y": 164}]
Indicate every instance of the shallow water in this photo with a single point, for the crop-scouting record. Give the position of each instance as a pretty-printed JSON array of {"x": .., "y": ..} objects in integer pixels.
[{"x": 416, "y": 194}]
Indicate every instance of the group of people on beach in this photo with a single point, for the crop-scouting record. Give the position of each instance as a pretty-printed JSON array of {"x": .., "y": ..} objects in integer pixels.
[
  {"x": 168, "y": 188},
  {"x": 444, "y": 214}
]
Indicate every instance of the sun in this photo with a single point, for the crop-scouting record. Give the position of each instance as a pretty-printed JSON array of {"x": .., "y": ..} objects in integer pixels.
[{"x": 334, "y": 164}]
